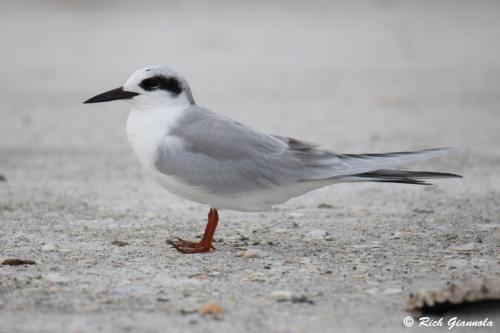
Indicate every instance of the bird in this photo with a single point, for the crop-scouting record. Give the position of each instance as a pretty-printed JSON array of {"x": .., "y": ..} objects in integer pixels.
[{"x": 213, "y": 160}]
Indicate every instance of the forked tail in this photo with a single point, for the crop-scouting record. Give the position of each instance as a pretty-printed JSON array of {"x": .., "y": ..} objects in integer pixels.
[
  {"x": 383, "y": 167},
  {"x": 401, "y": 176}
]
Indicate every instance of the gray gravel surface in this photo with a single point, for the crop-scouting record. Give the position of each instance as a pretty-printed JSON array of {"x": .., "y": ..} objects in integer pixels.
[{"x": 371, "y": 76}]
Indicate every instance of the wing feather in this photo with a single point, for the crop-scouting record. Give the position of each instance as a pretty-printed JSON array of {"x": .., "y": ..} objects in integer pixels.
[{"x": 225, "y": 157}]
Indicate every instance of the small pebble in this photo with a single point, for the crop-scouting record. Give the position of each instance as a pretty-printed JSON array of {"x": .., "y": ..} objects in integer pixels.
[
  {"x": 315, "y": 234},
  {"x": 324, "y": 206},
  {"x": 17, "y": 262},
  {"x": 423, "y": 211},
  {"x": 392, "y": 291},
  {"x": 373, "y": 245},
  {"x": 302, "y": 299},
  {"x": 2, "y": 178},
  {"x": 281, "y": 295},
  {"x": 251, "y": 253},
  {"x": 399, "y": 234},
  {"x": 463, "y": 248},
  {"x": 162, "y": 299},
  {"x": 288, "y": 296},
  {"x": 119, "y": 243},
  {"x": 187, "y": 312},
  {"x": 211, "y": 308},
  {"x": 49, "y": 247},
  {"x": 253, "y": 277}
]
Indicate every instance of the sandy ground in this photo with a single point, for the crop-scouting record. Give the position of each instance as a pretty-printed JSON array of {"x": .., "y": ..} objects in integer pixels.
[{"x": 373, "y": 76}]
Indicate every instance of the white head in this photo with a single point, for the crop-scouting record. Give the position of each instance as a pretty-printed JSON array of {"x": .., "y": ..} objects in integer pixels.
[{"x": 151, "y": 87}]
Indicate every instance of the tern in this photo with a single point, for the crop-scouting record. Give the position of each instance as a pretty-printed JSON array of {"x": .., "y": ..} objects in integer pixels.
[{"x": 210, "y": 159}]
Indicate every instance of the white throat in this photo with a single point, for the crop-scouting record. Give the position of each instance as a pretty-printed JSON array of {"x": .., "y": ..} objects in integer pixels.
[{"x": 148, "y": 128}]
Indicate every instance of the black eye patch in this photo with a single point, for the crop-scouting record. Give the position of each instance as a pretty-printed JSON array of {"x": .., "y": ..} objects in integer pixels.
[{"x": 170, "y": 84}]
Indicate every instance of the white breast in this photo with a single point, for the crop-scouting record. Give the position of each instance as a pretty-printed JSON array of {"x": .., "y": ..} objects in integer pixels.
[{"x": 149, "y": 129}]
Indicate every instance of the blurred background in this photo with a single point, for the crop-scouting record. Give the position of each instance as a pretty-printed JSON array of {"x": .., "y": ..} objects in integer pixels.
[{"x": 354, "y": 76}]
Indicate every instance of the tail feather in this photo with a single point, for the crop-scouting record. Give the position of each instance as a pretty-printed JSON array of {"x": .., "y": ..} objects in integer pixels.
[
  {"x": 381, "y": 167},
  {"x": 402, "y": 176}
]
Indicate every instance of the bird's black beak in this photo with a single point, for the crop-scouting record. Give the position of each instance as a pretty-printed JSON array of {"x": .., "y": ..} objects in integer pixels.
[{"x": 111, "y": 95}]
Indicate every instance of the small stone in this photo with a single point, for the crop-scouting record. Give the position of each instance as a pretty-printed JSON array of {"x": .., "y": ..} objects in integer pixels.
[
  {"x": 392, "y": 291},
  {"x": 324, "y": 206},
  {"x": 49, "y": 247},
  {"x": 211, "y": 308},
  {"x": 162, "y": 299},
  {"x": 375, "y": 244},
  {"x": 315, "y": 234},
  {"x": 399, "y": 234},
  {"x": 251, "y": 253},
  {"x": 357, "y": 277},
  {"x": 187, "y": 312},
  {"x": 281, "y": 295},
  {"x": 119, "y": 243},
  {"x": 124, "y": 290},
  {"x": 253, "y": 277},
  {"x": 450, "y": 237},
  {"x": 423, "y": 211},
  {"x": 288, "y": 296},
  {"x": 2, "y": 178},
  {"x": 17, "y": 262},
  {"x": 463, "y": 248},
  {"x": 302, "y": 299}
]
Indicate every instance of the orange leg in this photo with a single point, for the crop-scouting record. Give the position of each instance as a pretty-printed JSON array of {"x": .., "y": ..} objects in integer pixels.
[{"x": 205, "y": 245}]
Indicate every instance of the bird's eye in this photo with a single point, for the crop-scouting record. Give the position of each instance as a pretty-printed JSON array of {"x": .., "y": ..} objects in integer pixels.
[
  {"x": 151, "y": 83},
  {"x": 170, "y": 84}
]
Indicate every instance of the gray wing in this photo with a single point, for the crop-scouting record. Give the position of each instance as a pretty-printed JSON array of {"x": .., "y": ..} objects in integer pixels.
[{"x": 225, "y": 157}]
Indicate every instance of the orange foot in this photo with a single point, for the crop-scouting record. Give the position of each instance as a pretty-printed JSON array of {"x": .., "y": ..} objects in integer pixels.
[
  {"x": 192, "y": 247},
  {"x": 205, "y": 245}
]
